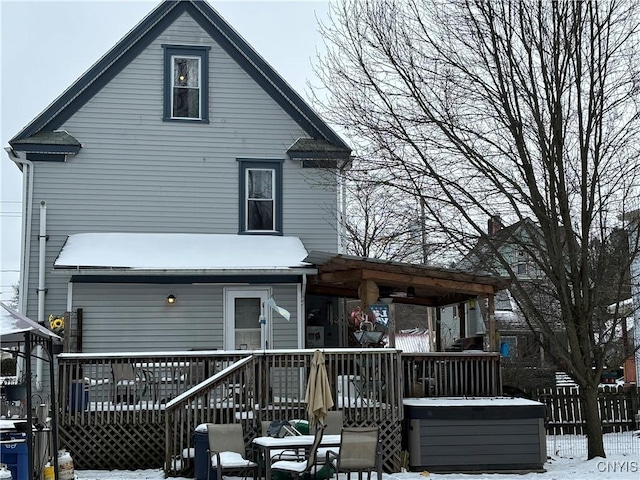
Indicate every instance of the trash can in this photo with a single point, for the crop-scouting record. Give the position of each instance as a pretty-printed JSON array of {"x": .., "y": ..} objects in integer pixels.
[
  {"x": 14, "y": 455},
  {"x": 202, "y": 464},
  {"x": 79, "y": 400}
]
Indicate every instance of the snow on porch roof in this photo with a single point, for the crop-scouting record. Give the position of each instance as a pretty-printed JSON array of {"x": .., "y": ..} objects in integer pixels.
[
  {"x": 178, "y": 251},
  {"x": 14, "y": 325}
]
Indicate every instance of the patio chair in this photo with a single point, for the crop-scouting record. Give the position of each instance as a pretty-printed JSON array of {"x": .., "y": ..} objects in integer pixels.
[
  {"x": 333, "y": 426},
  {"x": 129, "y": 384},
  {"x": 299, "y": 465},
  {"x": 227, "y": 450},
  {"x": 334, "y": 422},
  {"x": 372, "y": 385},
  {"x": 359, "y": 452}
]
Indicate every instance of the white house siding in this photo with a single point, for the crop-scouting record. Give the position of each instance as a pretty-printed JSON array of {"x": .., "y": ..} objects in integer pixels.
[{"x": 137, "y": 173}]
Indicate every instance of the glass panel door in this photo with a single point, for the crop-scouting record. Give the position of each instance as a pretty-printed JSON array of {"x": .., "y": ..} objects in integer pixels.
[{"x": 243, "y": 308}]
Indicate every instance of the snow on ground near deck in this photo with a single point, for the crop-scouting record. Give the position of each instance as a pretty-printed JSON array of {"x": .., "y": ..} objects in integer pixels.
[
  {"x": 622, "y": 463},
  {"x": 614, "y": 467}
]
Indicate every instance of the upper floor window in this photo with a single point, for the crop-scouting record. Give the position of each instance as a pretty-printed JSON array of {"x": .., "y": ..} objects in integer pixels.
[
  {"x": 522, "y": 264},
  {"x": 260, "y": 196},
  {"x": 186, "y": 83}
]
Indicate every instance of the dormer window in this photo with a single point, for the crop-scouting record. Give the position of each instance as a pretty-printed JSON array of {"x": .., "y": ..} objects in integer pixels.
[{"x": 186, "y": 83}]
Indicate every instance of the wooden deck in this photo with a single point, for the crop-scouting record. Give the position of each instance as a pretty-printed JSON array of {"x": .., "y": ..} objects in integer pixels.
[{"x": 146, "y": 417}]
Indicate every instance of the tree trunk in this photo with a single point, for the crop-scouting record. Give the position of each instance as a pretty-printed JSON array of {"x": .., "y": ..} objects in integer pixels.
[{"x": 593, "y": 426}]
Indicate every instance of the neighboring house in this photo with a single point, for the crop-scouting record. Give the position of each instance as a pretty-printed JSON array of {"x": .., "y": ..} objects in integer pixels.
[
  {"x": 179, "y": 167},
  {"x": 633, "y": 226},
  {"x": 517, "y": 340}
]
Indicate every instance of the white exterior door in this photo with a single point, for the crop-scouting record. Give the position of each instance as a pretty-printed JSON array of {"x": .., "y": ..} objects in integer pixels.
[{"x": 242, "y": 327}]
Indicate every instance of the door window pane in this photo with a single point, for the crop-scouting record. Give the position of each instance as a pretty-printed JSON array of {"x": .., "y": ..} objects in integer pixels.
[
  {"x": 247, "y": 326},
  {"x": 247, "y": 312}
]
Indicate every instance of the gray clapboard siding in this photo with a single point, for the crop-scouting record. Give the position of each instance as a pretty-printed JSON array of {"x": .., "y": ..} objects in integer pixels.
[
  {"x": 130, "y": 317},
  {"x": 136, "y": 173},
  {"x": 285, "y": 333},
  {"x": 136, "y": 317}
]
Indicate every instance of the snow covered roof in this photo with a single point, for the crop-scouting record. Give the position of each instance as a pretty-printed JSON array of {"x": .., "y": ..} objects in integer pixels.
[
  {"x": 14, "y": 325},
  {"x": 182, "y": 252},
  {"x": 412, "y": 341}
]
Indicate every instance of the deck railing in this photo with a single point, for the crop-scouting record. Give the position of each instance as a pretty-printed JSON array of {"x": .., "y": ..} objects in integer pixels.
[
  {"x": 111, "y": 405},
  {"x": 133, "y": 411},
  {"x": 451, "y": 374}
]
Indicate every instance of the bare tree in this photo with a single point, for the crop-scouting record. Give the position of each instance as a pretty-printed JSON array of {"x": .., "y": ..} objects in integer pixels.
[
  {"x": 381, "y": 221},
  {"x": 523, "y": 109}
]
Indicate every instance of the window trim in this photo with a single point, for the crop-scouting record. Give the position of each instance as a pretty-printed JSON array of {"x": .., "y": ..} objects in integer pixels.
[
  {"x": 185, "y": 51},
  {"x": 245, "y": 164}
]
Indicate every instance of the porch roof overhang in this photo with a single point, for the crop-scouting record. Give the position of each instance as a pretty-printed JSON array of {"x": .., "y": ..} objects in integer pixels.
[
  {"x": 342, "y": 275},
  {"x": 14, "y": 326},
  {"x": 164, "y": 254}
]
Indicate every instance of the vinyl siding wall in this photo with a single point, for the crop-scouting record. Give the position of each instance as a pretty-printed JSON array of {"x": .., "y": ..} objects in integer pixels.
[
  {"x": 135, "y": 317},
  {"x": 137, "y": 173}
]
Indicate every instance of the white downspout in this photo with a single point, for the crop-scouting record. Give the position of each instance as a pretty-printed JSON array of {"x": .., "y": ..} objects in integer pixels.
[
  {"x": 42, "y": 251},
  {"x": 25, "y": 231},
  {"x": 25, "y": 244}
]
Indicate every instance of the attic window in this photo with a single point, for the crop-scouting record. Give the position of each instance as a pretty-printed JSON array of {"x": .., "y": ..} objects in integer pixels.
[{"x": 186, "y": 83}]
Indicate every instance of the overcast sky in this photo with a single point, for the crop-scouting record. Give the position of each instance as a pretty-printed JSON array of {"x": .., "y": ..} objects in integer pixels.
[{"x": 47, "y": 45}]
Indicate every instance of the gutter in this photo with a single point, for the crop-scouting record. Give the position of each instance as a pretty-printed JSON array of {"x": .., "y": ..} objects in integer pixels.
[{"x": 119, "y": 271}]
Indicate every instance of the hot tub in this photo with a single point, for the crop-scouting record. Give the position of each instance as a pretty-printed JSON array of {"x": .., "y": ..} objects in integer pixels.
[{"x": 475, "y": 434}]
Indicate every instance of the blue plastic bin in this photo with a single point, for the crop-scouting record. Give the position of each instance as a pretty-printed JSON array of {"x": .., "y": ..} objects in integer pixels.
[
  {"x": 79, "y": 400},
  {"x": 202, "y": 465},
  {"x": 15, "y": 455}
]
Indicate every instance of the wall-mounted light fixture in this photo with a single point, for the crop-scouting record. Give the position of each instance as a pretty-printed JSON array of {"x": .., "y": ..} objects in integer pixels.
[
  {"x": 171, "y": 299},
  {"x": 411, "y": 292},
  {"x": 472, "y": 304}
]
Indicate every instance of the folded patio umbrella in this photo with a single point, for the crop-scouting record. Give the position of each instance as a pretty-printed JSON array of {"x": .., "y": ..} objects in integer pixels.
[{"x": 318, "y": 395}]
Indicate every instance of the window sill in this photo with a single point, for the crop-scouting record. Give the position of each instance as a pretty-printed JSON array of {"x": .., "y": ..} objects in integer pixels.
[{"x": 186, "y": 120}]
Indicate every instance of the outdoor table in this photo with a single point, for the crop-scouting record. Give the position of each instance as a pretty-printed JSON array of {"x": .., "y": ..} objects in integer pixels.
[
  {"x": 266, "y": 445},
  {"x": 158, "y": 374}
]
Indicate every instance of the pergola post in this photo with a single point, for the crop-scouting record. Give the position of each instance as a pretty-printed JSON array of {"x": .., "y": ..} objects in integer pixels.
[{"x": 493, "y": 337}]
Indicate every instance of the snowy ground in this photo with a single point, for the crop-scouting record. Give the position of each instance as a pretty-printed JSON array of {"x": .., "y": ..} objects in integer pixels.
[{"x": 623, "y": 463}]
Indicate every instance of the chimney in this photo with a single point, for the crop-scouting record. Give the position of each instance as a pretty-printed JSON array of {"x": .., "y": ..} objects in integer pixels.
[{"x": 494, "y": 224}]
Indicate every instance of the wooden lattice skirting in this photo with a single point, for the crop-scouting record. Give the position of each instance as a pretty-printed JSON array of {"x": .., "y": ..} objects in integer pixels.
[
  {"x": 114, "y": 446},
  {"x": 141, "y": 445}
]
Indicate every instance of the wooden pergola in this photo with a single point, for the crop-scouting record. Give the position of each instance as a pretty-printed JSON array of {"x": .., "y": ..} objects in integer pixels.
[{"x": 368, "y": 279}]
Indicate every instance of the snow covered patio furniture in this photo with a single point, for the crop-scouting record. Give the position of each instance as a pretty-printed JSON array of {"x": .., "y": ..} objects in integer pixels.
[{"x": 227, "y": 450}]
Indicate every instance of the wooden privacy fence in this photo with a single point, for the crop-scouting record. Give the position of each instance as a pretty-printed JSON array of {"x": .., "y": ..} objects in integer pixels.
[
  {"x": 618, "y": 409},
  {"x": 455, "y": 374}
]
